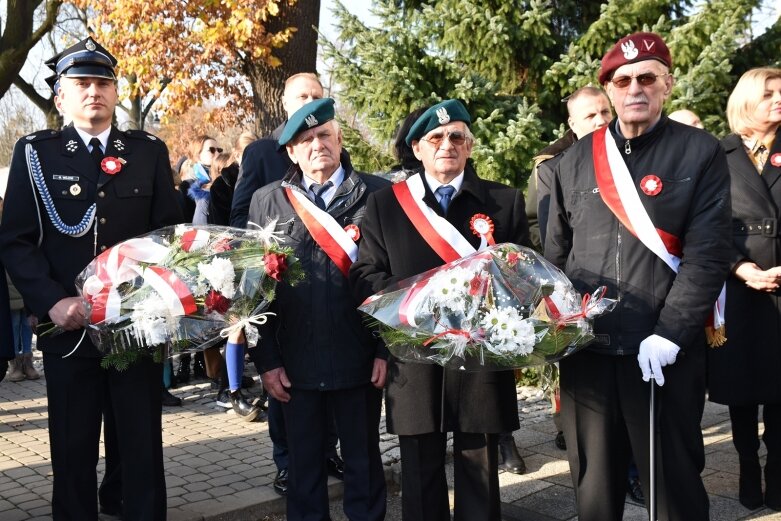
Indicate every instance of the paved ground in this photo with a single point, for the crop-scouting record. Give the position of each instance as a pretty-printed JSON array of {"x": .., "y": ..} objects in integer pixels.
[{"x": 220, "y": 468}]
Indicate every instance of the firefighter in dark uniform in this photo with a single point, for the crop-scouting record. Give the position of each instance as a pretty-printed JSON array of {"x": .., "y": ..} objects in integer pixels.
[{"x": 72, "y": 194}]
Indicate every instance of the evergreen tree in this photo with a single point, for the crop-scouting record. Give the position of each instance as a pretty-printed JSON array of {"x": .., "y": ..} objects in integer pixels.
[{"x": 512, "y": 62}]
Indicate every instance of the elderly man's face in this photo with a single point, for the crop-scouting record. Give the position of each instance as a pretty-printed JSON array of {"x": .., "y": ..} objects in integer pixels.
[
  {"x": 299, "y": 92},
  {"x": 441, "y": 157},
  {"x": 317, "y": 150},
  {"x": 639, "y": 106}
]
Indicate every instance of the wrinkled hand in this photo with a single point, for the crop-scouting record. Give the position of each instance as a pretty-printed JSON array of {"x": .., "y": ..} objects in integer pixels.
[
  {"x": 757, "y": 278},
  {"x": 69, "y": 313},
  {"x": 379, "y": 372},
  {"x": 655, "y": 353},
  {"x": 276, "y": 383}
]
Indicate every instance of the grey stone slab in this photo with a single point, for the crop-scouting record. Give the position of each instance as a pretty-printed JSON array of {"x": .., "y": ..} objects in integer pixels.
[{"x": 554, "y": 501}]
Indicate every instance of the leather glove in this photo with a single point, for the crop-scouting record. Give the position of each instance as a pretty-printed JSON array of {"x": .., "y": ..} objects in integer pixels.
[{"x": 655, "y": 353}]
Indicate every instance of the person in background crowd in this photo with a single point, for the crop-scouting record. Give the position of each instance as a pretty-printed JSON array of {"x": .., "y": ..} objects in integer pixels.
[
  {"x": 687, "y": 117},
  {"x": 264, "y": 162},
  {"x": 21, "y": 367},
  {"x": 317, "y": 358},
  {"x": 744, "y": 372},
  {"x": 425, "y": 401},
  {"x": 640, "y": 206},
  {"x": 79, "y": 204},
  {"x": 202, "y": 151},
  {"x": 6, "y": 335}
]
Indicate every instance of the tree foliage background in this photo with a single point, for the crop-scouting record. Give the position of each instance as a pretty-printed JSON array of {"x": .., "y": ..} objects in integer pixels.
[{"x": 512, "y": 62}]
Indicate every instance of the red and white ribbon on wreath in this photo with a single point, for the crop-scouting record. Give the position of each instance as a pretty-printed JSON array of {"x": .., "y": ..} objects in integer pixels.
[
  {"x": 194, "y": 239},
  {"x": 120, "y": 264}
]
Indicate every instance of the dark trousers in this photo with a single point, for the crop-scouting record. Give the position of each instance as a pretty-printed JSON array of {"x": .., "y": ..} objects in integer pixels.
[
  {"x": 79, "y": 392},
  {"x": 308, "y": 416},
  {"x": 605, "y": 413},
  {"x": 424, "y": 494},
  {"x": 745, "y": 436}
]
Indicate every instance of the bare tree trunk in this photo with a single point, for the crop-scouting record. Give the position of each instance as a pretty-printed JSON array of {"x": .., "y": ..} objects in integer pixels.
[
  {"x": 46, "y": 105},
  {"x": 18, "y": 37},
  {"x": 298, "y": 55}
]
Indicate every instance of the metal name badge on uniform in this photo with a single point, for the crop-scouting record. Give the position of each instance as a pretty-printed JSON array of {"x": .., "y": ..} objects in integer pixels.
[{"x": 71, "y": 178}]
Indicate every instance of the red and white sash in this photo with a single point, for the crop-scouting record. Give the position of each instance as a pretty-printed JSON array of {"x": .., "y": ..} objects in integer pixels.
[
  {"x": 618, "y": 191},
  {"x": 324, "y": 229},
  {"x": 442, "y": 236}
]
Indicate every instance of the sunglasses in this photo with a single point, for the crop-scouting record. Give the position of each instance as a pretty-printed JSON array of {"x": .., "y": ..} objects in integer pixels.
[
  {"x": 456, "y": 138},
  {"x": 215, "y": 150},
  {"x": 645, "y": 79}
]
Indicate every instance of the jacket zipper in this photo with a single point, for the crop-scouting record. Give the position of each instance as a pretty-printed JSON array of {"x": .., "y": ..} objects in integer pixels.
[
  {"x": 619, "y": 351},
  {"x": 627, "y": 148}
]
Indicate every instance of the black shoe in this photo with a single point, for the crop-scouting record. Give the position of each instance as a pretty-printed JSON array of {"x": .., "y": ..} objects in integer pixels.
[
  {"x": 169, "y": 400},
  {"x": 560, "y": 442},
  {"x": 183, "y": 373},
  {"x": 509, "y": 459},
  {"x": 335, "y": 467},
  {"x": 280, "y": 483},
  {"x": 750, "y": 484},
  {"x": 247, "y": 412},
  {"x": 635, "y": 491}
]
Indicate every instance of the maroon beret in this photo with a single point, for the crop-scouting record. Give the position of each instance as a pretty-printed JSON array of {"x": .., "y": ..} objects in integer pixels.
[{"x": 636, "y": 47}]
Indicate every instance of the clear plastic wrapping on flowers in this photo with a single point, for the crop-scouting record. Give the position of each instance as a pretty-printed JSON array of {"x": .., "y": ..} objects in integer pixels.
[
  {"x": 504, "y": 307},
  {"x": 183, "y": 287}
]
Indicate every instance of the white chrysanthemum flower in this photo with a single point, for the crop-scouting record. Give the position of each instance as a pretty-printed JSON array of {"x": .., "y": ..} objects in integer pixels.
[
  {"x": 220, "y": 275},
  {"x": 507, "y": 332},
  {"x": 152, "y": 321},
  {"x": 449, "y": 288}
]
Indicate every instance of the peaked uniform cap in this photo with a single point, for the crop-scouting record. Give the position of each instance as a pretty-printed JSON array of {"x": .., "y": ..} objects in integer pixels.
[
  {"x": 86, "y": 58},
  {"x": 437, "y": 115},
  {"x": 311, "y": 115},
  {"x": 634, "y": 48}
]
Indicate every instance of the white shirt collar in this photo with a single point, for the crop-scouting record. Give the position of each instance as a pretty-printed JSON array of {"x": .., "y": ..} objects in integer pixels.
[
  {"x": 336, "y": 179},
  {"x": 434, "y": 184},
  {"x": 102, "y": 137}
]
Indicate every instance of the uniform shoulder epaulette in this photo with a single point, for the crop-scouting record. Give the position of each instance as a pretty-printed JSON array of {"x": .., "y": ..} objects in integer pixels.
[
  {"x": 143, "y": 136},
  {"x": 40, "y": 135}
]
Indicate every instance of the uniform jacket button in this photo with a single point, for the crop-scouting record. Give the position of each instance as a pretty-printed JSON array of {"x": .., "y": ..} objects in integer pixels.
[
  {"x": 135, "y": 190},
  {"x": 103, "y": 247},
  {"x": 101, "y": 194},
  {"x": 102, "y": 220}
]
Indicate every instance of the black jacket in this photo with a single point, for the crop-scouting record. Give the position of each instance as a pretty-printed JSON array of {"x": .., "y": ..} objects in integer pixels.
[
  {"x": 222, "y": 195},
  {"x": 587, "y": 241},
  {"x": 424, "y": 398},
  {"x": 546, "y": 162},
  {"x": 138, "y": 199},
  {"x": 318, "y": 335},
  {"x": 6, "y": 334},
  {"x": 745, "y": 370}
]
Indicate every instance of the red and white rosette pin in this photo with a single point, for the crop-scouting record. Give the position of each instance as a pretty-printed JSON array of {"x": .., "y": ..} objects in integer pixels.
[
  {"x": 482, "y": 226},
  {"x": 112, "y": 165},
  {"x": 651, "y": 185},
  {"x": 353, "y": 232},
  {"x": 775, "y": 159}
]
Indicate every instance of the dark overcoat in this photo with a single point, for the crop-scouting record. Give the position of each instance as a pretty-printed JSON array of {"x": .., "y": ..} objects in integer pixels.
[
  {"x": 137, "y": 199},
  {"x": 746, "y": 369},
  {"x": 424, "y": 398},
  {"x": 6, "y": 334}
]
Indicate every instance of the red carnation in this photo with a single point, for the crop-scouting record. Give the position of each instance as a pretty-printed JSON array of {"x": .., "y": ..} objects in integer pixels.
[
  {"x": 222, "y": 245},
  {"x": 275, "y": 265},
  {"x": 215, "y": 301},
  {"x": 475, "y": 285}
]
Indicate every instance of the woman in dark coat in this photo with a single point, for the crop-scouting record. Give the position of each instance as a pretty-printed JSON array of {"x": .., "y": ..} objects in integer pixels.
[{"x": 745, "y": 372}]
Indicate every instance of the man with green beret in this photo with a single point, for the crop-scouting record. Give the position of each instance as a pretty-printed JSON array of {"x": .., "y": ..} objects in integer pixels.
[
  {"x": 425, "y": 401},
  {"x": 316, "y": 356}
]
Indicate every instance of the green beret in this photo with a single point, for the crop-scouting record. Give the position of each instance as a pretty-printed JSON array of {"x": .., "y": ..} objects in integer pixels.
[
  {"x": 311, "y": 115},
  {"x": 440, "y": 114}
]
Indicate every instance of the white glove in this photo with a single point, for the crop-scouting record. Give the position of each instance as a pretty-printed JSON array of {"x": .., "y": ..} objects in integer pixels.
[{"x": 655, "y": 353}]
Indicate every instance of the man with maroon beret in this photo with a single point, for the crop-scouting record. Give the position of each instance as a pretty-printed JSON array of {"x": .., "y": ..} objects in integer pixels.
[{"x": 641, "y": 206}]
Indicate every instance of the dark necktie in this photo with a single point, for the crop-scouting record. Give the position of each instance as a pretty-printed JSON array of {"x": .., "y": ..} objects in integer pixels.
[
  {"x": 445, "y": 194},
  {"x": 318, "y": 190},
  {"x": 96, "y": 153}
]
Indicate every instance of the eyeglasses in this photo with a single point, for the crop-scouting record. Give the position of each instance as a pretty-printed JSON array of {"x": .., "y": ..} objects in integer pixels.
[
  {"x": 456, "y": 138},
  {"x": 645, "y": 79},
  {"x": 215, "y": 150}
]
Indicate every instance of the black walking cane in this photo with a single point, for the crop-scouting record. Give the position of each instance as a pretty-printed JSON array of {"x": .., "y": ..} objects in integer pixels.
[{"x": 652, "y": 454}]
